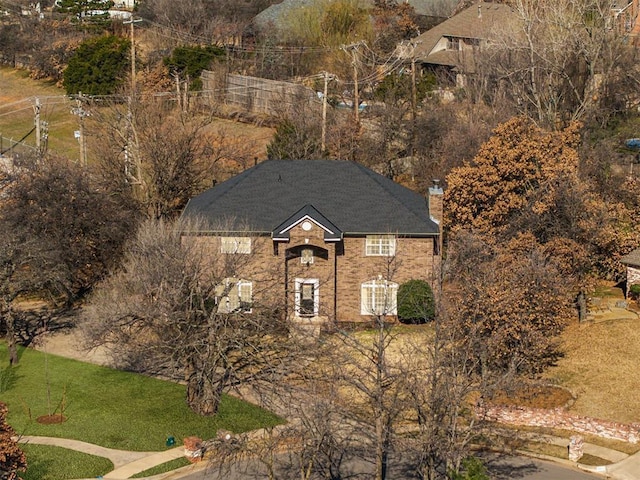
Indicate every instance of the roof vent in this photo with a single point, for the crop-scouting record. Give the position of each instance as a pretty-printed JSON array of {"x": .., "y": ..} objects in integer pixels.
[{"x": 480, "y": 10}]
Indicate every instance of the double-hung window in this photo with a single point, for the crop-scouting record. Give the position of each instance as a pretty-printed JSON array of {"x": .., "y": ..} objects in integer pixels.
[
  {"x": 380, "y": 245},
  {"x": 378, "y": 297},
  {"x": 234, "y": 296},
  {"x": 235, "y": 245}
]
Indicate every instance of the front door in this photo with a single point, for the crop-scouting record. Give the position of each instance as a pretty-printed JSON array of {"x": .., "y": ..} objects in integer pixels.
[{"x": 307, "y": 300}]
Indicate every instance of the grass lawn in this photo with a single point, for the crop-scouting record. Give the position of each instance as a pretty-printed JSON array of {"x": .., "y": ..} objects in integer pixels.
[
  {"x": 45, "y": 462},
  {"x": 162, "y": 468},
  {"x": 600, "y": 367},
  {"x": 17, "y": 99},
  {"x": 111, "y": 408}
]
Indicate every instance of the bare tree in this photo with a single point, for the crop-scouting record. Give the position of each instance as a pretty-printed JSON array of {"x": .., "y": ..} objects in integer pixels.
[
  {"x": 180, "y": 308},
  {"x": 217, "y": 20},
  {"x": 558, "y": 61},
  {"x": 162, "y": 157},
  {"x": 59, "y": 234}
]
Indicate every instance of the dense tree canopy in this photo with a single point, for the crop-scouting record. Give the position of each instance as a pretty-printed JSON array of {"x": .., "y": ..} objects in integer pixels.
[
  {"x": 59, "y": 234},
  {"x": 525, "y": 179},
  {"x": 519, "y": 160},
  {"x": 508, "y": 303},
  {"x": 190, "y": 61},
  {"x": 98, "y": 66}
]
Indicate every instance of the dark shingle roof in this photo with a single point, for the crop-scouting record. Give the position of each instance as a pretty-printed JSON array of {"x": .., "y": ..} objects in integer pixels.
[
  {"x": 632, "y": 259},
  {"x": 355, "y": 199}
]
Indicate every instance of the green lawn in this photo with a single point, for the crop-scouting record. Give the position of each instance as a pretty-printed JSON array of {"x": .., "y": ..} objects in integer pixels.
[
  {"x": 162, "y": 468},
  {"x": 45, "y": 462},
  {"x": 17, "y": 101},
  {"x": 108, "y": 407}
]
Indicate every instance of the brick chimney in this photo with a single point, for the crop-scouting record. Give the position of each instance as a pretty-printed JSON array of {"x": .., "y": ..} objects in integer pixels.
[{"x": 435, "y": 202}]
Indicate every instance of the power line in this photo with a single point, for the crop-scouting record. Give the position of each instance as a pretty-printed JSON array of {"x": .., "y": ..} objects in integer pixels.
[{"x": 19, "y": 141}]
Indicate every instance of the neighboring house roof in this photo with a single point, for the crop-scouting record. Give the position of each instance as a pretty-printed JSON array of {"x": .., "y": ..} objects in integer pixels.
[
  {"x": 275, "y": 16},
  {"x": 335, "y": 193},
  {"x": 632, "y": 259},
  {"x": 477, "y": 22}
]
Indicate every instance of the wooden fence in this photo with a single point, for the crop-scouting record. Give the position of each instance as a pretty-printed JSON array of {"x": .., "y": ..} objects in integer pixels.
[{"x": 258, "y": 95}]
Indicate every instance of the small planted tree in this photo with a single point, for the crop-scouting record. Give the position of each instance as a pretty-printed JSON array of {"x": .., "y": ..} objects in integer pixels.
[
  {"x": 634, "y": 292},
  {"x": 416, "y": 303}
]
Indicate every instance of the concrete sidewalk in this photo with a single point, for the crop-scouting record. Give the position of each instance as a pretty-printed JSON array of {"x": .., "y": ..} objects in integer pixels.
[
  {"x": 627, "y": 469},
  {"x": 126, "y": 463}
]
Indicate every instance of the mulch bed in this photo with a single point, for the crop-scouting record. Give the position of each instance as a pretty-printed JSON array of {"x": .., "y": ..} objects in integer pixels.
[{"x": 51, "y": 419}]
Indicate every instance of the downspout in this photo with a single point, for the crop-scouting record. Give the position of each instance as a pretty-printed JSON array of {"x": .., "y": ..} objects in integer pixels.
[
  {"x": 286, "y": 285},
  {"x": 335, "y": 282}
]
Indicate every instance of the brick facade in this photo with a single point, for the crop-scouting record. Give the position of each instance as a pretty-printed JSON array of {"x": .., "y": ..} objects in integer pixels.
[
  {"x": 633, "y": 277},
  {"x": 338, "y": 270}
]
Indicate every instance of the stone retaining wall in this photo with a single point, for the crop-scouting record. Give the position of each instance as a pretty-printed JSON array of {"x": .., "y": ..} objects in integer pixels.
[{"x": 559, "y": 418}]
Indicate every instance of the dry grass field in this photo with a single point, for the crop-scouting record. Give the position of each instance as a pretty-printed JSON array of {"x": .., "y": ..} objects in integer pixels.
[
  {"x": 18, "y": 94},
  {"x": 600, "y": 368}
]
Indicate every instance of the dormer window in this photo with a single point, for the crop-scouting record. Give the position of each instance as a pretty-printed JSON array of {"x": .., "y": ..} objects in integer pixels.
[{"x": 453, "y": 43}]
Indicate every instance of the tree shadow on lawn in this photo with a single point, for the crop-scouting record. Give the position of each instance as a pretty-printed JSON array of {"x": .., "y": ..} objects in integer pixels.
[{"x": 9, "y": 377}]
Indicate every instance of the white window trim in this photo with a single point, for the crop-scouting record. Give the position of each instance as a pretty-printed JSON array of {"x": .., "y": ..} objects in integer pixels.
[
  {"x": 387, "y": 288},
  {"x": 373, "y": 246},
  {"x": 233, "y": 245},
  {"x": 306, "y": 260},
  {"x": 298, "y": 295},
  {"x": 224, "y": 302}
]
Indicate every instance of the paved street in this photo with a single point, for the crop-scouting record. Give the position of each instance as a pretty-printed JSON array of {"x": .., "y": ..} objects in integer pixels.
[
  {"x": 500, "y": 467},
  {"x": 516, "y": 468}
]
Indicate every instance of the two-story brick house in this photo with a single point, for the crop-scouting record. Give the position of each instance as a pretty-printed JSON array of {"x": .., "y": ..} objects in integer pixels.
[{"x": 332, "y": 239}]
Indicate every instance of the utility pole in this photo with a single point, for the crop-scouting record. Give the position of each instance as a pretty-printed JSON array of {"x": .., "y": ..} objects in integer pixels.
[
  {"x": 36, "y": 110},
  {"x": 356, "y": 96},
  {"x": 81, "y": 113},
  {"x": 327, "y": 77},
  {"x": 133, "y": 53},
  {"x": 414, "y": 99},
  {"x": 42, "y": 130},
  {"x": 130, "y": 151}
]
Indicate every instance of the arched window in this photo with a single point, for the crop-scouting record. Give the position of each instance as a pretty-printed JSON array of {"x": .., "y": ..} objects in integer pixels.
[{"x": 378, "y": 297}]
